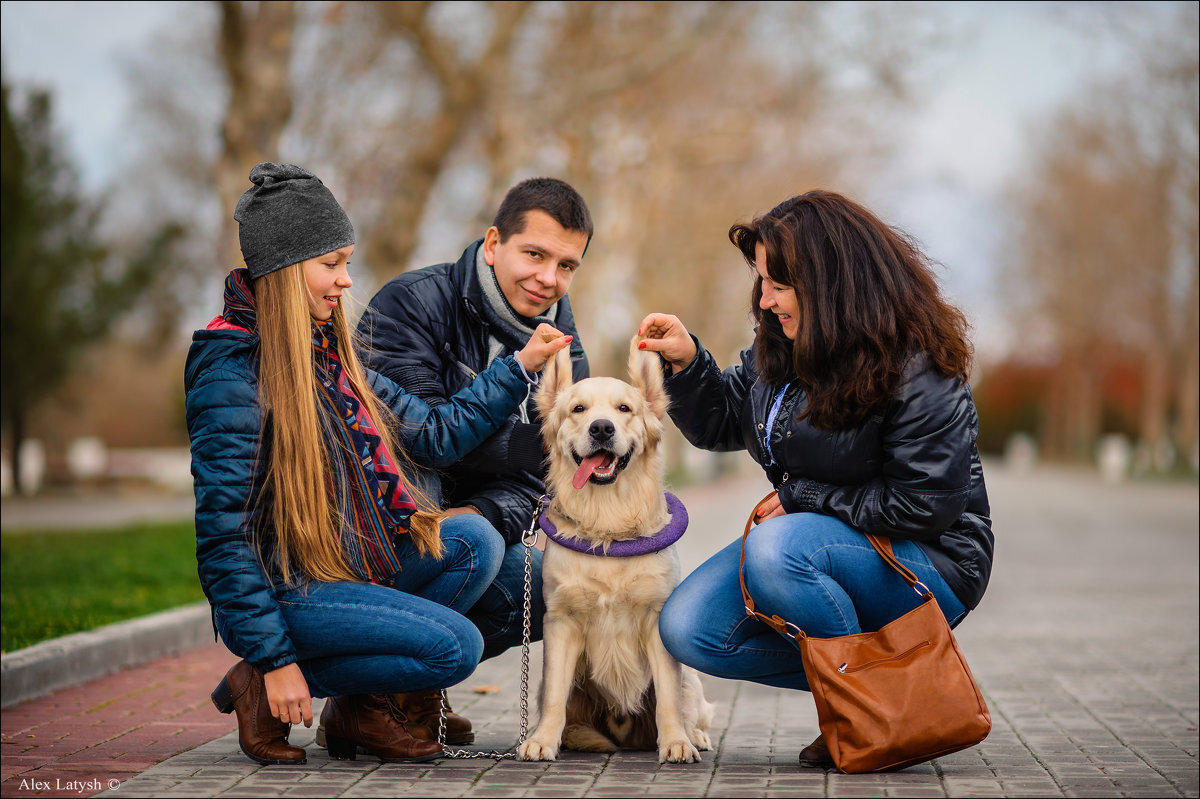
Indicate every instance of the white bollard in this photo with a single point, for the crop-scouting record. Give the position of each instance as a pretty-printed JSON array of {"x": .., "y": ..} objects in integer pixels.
[
  {"x": 33, "y": 466},
  {"x": 1021, "y": 453},
  {"x": 87, "y": 458},
  {"x": 1114, "y": 455}
]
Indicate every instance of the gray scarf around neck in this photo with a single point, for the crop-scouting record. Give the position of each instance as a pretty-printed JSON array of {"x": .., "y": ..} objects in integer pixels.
[{"x": 508, "y": 331}]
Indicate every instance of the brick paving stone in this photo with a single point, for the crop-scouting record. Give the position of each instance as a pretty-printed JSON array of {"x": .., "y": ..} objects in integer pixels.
[{"x": 1085, "y": 648}]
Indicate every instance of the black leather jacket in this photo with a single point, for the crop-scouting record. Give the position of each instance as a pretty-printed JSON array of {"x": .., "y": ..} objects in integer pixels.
[
  {"x": 912, "y": 471},
  {"x": 425, "y": 330}
]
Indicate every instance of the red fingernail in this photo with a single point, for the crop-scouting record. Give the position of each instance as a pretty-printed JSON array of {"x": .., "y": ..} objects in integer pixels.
[{"x": 641, "y": 345}]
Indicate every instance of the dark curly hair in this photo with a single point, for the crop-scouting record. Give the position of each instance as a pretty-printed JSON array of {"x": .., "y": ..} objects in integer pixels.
[{"x": 868, "y": 302}]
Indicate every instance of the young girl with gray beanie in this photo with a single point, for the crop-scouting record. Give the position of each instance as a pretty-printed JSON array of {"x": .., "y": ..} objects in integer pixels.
[{"x": 329, "y": 572}]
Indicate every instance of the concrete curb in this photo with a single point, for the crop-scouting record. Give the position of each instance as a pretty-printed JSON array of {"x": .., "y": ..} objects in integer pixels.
[{"x": 74, "y": 659}]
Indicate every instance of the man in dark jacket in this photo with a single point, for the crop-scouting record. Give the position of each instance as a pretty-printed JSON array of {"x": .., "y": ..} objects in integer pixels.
[{"x": 434, "y": 329}]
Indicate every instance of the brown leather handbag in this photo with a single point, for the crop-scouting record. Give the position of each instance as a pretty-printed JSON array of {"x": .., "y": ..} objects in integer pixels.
[{"x": 892, "y": 698}]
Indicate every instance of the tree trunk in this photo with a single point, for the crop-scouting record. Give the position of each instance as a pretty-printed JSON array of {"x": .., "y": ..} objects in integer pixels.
[
  {"x": 1188, "y": 400},
  {"x": 1156, "y": 399},
  {"x": 464, "y": 89},
  {"x": 255, "y": 55},
  {"x": 17, "y": 440},
  {"x": 1072, "y": 421}
]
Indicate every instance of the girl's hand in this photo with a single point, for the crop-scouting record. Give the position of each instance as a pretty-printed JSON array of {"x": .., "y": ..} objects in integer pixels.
[
  {"x": 769, "y": 509},
  {"x": 542, "y": 346},
  {"x": 287, "y": 695},
  {"x": 667, "y": 336}
]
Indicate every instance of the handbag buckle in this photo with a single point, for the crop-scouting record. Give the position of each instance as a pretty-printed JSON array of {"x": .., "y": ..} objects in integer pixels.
[{"x": 920, "y": 588}]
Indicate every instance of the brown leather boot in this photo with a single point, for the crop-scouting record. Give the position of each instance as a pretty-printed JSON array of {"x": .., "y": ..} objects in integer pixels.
[
  {"x": 376, "y": 723},
  {"x": 816, "y": 755},
  {"x": 424, "y": 710},
  {"x": 262, "y": 737}
]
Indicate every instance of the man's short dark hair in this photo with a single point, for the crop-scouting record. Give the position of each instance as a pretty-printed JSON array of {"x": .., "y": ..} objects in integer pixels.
[{"x": 551, "y": 195}]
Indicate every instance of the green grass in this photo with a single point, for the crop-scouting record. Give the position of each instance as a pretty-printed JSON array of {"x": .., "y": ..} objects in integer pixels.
[{"x": 60, "y": 582}]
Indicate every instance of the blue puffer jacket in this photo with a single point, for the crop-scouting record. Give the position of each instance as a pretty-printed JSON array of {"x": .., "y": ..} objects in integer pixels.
[
  {"x": 224, "y": 422},
  {"x": 911, "y": 471}
]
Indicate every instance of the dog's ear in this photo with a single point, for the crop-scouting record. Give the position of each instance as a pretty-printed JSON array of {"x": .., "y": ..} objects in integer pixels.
[
  {"x": 646, "y": 374},
  {"x": 556, "y": 378}
]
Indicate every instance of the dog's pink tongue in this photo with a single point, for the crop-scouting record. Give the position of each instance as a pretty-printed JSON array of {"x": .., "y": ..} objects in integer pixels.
[{"x": 590, "y": 464}]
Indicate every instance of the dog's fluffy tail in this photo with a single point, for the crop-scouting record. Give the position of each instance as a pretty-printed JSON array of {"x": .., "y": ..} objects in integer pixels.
[{"x": 584, "y": 738}]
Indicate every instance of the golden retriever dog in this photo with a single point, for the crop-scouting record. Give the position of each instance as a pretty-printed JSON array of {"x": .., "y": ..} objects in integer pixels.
[{"x": 607, "y": 679}]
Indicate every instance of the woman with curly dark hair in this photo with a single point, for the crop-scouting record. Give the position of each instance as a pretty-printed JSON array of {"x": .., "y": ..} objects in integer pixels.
[{"x": 854, "y": 400}]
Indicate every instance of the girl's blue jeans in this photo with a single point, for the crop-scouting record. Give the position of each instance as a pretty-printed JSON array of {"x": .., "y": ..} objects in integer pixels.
[
  {"x": 363, "y": 638},
  {"x": 809, "y": 569}
]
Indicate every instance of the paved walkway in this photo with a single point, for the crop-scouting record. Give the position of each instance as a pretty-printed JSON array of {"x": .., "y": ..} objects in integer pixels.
[{"x": 1086, "y": 648}]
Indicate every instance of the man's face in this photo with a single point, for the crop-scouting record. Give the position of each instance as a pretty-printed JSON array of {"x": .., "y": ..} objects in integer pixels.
[{"x": 534, "y": 267}]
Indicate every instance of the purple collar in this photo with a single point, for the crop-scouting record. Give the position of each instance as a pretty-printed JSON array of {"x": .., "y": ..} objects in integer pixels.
[{"x": 643, "y": 545}]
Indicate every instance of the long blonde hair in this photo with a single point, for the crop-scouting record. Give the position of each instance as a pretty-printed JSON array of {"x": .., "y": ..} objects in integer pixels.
[{"x": 304, "y": 517}]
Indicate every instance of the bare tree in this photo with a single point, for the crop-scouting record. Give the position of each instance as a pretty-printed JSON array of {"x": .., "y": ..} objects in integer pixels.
[
  {"x": 255, "y": 49},
  {"x": 1107, "y": 244},
  {"x": 673, "y": 119},
  {"x": 676, "y": 120}
]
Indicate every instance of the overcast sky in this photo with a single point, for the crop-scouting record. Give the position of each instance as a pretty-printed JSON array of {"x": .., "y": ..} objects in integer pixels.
[{"x": 1013, "y": 63}]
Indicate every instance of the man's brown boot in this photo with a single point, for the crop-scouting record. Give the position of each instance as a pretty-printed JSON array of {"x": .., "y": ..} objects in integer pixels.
[
  {"x": 378, "y": 724},
  {"x": 424, "y": 710},
  {"x": 262, "y": 737}
]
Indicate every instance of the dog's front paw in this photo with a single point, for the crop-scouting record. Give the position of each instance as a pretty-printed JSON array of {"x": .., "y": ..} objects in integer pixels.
[
  {"x": 533, "y": 749},
  {"x": 678, "y": 752},
  {"x": 701, "y": 740}
]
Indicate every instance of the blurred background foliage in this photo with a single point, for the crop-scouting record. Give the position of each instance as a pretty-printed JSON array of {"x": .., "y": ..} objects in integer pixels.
[{"x": 673, "y": 119}]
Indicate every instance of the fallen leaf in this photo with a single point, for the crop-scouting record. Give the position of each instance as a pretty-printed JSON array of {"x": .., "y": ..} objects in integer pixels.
[{"x": 486, "y": 689}]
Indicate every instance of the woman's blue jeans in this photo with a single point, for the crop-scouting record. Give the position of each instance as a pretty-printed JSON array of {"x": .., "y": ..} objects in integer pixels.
[
  {"x": 362, "y": 638},
  {"x": 809, "y": 569}
]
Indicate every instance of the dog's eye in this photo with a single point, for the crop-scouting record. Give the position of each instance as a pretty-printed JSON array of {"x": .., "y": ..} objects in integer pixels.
[
  {"x": 578, "y": 409},
  {"x": 624, "y": 409}
]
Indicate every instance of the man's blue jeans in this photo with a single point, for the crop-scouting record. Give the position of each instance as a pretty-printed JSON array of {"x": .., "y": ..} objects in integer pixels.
[
  {"x": 499, "y": 613},
  {"x": 362, "y": 638},
  {"x": 809, "y": 569}
]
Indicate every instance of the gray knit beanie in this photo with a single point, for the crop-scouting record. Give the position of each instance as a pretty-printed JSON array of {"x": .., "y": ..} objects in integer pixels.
[{"x": 286, "y": 217}]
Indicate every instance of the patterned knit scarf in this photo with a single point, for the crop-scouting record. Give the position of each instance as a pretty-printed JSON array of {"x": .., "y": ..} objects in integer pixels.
[{"x": 365, "y": 484}]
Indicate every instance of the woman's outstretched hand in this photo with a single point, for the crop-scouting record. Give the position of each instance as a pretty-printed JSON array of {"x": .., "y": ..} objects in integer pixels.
[
  {"x": 666, "y": 335},
  {"x": 542, "y": 345},
  {"x": 288, "y": 696}
]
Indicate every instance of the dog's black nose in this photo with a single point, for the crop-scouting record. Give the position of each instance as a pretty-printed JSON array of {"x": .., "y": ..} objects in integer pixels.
[{"x": 601, "y": 430}]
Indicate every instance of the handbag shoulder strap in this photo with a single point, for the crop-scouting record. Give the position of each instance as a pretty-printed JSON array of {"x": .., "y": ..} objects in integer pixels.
[
  {"x": 776, "y": 623},
  {"x": 882, "y": 545}
]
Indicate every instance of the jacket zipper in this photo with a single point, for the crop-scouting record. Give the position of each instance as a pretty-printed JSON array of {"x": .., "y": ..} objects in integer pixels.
[
  {"x": 468, "y": 371},
  {"x": 522, "y": 410}
]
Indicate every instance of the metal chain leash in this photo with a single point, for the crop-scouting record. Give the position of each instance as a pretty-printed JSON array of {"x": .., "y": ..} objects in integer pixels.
[{"x": 528, "y": 539}]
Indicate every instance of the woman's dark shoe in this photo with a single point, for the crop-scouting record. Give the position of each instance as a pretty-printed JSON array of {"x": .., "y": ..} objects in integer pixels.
[
  {"x": 424, "y": 711},
  {"x": 816, "y": 755},
  {"x": 262, "y": 737},
  {"x": 377, "y": 723}
]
